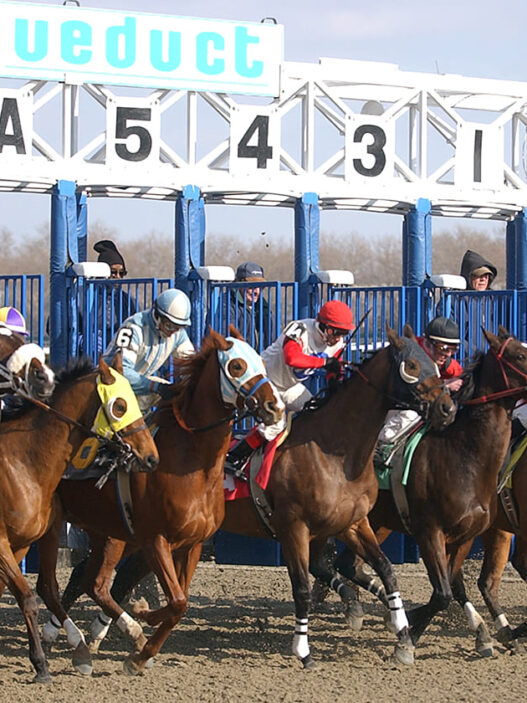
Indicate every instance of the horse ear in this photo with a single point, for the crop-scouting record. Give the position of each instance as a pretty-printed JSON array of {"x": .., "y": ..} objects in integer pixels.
[
  {"x": 234, "y": 332},
  {"x": 394, "y": 338},
  {"x": 494, "y": 341},
  {"x": 408, "y": 332},
  {"x": 104, "y": 370},
  {"x": 503, "y": 333},
  {"x": 117, "y": 362}
]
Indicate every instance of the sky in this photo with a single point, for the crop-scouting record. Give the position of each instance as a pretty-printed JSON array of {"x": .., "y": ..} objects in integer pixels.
[{"x": 481, "y": 38}]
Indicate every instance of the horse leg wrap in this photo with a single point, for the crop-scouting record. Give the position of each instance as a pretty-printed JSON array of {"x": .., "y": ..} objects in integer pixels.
[
  {"x": 397, "y": 614},
  {"x": 300, "y": 643},
  {"x": 51, "y": 629},
  {"x": 73, "y": 633},
  {"x": 473, "y": 617},
  {"x": 129, "y": 626},
  {"x": 501, "y": 621},
  {"x": 100, "y": 626}
]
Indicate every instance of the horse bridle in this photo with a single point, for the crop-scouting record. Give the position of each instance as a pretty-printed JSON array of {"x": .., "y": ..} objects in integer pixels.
[{"x": 508, "y": 392}]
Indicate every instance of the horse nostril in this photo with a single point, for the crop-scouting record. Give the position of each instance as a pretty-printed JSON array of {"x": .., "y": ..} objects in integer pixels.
[{"x": 151, "y": 462}]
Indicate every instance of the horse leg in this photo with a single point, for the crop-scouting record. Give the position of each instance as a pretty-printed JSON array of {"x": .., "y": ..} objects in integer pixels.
[
  {"x": 351, "y": 567},
  {"x": 11, "y": 575},
  {"x": 519, "y": 562},
  {"x": 295, "y": 547},
  {"x": 322, "y": 555},
  {"x": 48, "y": 590},
  {"x": 476, "y": 623},
  {"x": 164, "y": 566},
  {"x": 361, "y": 539}
]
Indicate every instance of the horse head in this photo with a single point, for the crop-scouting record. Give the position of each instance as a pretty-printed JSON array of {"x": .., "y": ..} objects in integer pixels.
[
  {"x": 244, "y": 383},
  {"x": 417, "y": 383},
  {"x": 511, "y": 357},
  {"x": 119, "y": 418},
  {"x": 25, "y": 366}
]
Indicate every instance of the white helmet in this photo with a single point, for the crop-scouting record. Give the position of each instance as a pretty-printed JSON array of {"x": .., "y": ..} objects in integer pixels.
[{"x": 174, "y": 305}]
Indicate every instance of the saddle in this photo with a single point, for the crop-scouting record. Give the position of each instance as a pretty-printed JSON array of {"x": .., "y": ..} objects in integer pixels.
[{"x": 12, "y": 406}]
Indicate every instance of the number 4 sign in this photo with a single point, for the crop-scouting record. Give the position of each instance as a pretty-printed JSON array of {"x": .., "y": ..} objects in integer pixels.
[{"x": 254, "y": 141}]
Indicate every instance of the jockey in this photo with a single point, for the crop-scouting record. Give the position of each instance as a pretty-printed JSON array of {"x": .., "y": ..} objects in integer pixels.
[
  {"x": 303, "y": 348},
  {"x": 440, "y": 341},
  {"x": 11, "y": 319},
  {"x": 147, "y": 339}
]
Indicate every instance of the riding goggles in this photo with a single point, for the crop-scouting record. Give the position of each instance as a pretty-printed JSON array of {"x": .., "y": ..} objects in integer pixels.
[{"x": 443, "y": 348}]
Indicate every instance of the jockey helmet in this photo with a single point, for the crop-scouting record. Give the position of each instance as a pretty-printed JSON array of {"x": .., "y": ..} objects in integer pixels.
[
  {"x": 443, "y": 329},
  {"x": 13, "y": 320},
  {"x": 174, "y": 306},
  {"x": 337, "y": 315}
]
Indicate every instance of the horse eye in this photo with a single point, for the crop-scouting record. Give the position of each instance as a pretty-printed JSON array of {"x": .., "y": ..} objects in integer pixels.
[
  {"x": 116, "y": 408},
  {"x": 236, "y": 367}
]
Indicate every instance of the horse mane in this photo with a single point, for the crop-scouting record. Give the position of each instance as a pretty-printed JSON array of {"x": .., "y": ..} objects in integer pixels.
[
  {"x": 190, "y": 368},
  {"x": 75, "y": 368},
  {"x": 470, "y": 376}
]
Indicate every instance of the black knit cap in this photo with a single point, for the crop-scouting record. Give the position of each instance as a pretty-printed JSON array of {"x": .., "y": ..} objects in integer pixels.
[
  {"x": 443, "y": 329},
  {"x": 108, "y": 253}
]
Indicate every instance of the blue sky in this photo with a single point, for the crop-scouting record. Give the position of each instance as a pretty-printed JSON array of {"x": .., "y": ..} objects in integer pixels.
[{"x": 470, "y": 37}]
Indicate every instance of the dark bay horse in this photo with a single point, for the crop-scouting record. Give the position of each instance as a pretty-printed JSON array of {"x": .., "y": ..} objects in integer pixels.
[
  {"x": 497, "y": 543},
  {"x": 323, "y": 484},
  {"x": 34, "y": 451},
  {"x": 451, "y": 488},
  {"x": 177, "y": 507},
  {"x": 23, "y": 367}
]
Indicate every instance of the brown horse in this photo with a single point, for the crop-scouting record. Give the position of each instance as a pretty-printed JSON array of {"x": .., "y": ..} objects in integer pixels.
[
  {"x": 23, "y": 368},
  {"x": 35, "y": 449},
  {"x": 176, "y": 508},
  {"x": 451, "y": 489},
  {"x": 497, "y": 543},
  {"x": 322, "y": 482}
]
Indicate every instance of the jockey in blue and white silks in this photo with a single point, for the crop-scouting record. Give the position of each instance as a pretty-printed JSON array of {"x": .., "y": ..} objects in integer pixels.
[{"x": 148, "y": 339}]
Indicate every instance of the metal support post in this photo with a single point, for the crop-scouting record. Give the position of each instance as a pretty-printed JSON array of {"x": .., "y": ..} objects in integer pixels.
[{"x": 307, "y": 229}]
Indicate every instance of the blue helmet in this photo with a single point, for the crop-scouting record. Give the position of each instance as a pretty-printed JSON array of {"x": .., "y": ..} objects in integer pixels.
[
  {"x": 174, "y": 305},
  {"x": 13, "y": 320}
]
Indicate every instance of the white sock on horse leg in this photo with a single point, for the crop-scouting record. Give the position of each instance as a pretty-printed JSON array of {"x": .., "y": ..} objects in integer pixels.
[
  {"x": 473, "y": 617},
  {"x": 397, "y": 613},
  {"x": 100, "y": 626},
  {"x": 300, "y": 642},
  {"x": 129, "y": 626},
  {"x": 73, "y": 633}
]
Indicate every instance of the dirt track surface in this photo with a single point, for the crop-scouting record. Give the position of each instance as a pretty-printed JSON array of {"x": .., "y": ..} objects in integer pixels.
[{"x": 234, "y": 644}]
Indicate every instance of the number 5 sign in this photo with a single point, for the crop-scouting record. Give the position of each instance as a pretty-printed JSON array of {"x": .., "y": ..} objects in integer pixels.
[
  {"x": 133, "y": 132},
  {"x": 370, "y": 148},
  {"x": 254, "y": 141}
]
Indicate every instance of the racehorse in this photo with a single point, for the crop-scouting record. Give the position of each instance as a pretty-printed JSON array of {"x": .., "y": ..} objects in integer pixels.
[
  {"x": 451, "y": 489},
  {"x": 176, "y": 508},
  {"x": 497, "y": 542},
  {"x": 322, "y": 482},
  {"x": 34, "y": 451},
  {"x": 23, "y": 367}
]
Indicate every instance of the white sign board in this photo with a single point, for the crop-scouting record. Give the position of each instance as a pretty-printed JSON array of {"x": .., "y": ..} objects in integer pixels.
[{"x": 52, "y": 42}]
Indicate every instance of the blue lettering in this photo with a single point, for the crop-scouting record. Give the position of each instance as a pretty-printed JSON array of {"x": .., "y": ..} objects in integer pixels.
[
  {"x": 156, "y": 50},
  {"x": 127, "y": 32},
  {"x": 242, "y": 39},
  {"x": 74, "y": 35},
  {"x": 203, "y": 64},
  {"x": 22, "y": 40}
]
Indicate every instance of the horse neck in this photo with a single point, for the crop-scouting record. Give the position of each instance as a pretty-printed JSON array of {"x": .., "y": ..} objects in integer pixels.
[{"x": 77, "y": 401}]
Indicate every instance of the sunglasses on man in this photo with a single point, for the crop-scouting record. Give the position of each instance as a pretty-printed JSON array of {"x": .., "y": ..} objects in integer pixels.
[
  {"x": 443, "y": 348},
  {"x": 117, "y": 273}
]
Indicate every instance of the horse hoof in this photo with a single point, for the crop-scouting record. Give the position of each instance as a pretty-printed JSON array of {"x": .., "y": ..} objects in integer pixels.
[
  {"x": 82, "y": 660},
  {"x": 354, "y": 616},
  {"x": 149, "y": 663},
  {"x": 404, "y": 653},
  {"x": 485, "y": 650},
  {"x": 130, "y": 667},
  {"x": 308, "y": 662},
  {"x": 42, "y": 678}
]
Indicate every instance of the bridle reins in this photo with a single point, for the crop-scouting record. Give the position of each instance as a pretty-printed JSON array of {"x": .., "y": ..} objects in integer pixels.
[{"x": 508, "y": 392}]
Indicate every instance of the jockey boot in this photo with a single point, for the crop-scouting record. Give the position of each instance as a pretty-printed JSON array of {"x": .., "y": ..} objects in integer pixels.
[
  {"x": 237, "y": 459},
  {"x": 385, "y": 450}
]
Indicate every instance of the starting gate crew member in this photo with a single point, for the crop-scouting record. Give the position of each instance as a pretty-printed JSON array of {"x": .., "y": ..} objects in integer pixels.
[
  {"x": 440, "y": 341},
  {"x": 304, "y": 347},
  {"x": 147, "y": 339}
]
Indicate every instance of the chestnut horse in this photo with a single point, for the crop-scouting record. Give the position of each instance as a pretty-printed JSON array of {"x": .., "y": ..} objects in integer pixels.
[
  {"x": 451, "y": 488},
  {"x": 323, "y": 484},
  {"x": 23, "y": 367},
  {"x": 176, "y": 508},
  {"x": 35, "y": 449}
]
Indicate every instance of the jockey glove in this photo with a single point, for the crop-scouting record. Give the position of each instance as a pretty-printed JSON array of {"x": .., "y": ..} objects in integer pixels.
[
  {"x": 165, "y": 390},
  {"x": 332, "y": 365}
]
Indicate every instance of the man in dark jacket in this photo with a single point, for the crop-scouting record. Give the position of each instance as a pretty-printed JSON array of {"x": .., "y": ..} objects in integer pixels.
[{"x": 477, "y": 271}]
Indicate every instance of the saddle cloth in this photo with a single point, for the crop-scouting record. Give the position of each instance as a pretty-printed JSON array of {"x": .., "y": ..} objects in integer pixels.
[{"x": 234, "y": 488}]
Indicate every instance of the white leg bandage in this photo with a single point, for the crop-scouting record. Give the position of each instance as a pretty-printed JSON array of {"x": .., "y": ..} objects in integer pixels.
[
  {"x": 397, "y": 614},
  {"x": 473, "y": 617},
  {"x": 100, "y": 626},
  {"x": 129, "y": 626},
  {"x": 300, "y": 643},
  {"x": 51, "y": 629},
  {"x": 73, "y": 633},
  {"x": 501, "y": 621}
]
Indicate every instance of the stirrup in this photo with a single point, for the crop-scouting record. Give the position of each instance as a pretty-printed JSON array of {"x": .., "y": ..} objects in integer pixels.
[{"x": 236, "y": 467}]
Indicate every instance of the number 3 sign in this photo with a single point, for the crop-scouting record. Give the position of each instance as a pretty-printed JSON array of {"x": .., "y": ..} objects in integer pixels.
[{"x": 370, "y": 147}]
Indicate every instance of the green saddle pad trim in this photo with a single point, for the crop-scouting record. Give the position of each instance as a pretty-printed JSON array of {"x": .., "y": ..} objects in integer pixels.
[
  {"x": 506, "y": 478},
  {"x": 383, "y": 472}
]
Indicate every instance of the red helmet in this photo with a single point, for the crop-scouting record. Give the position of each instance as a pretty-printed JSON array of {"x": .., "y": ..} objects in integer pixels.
[{"x": 336, "y": 314}]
